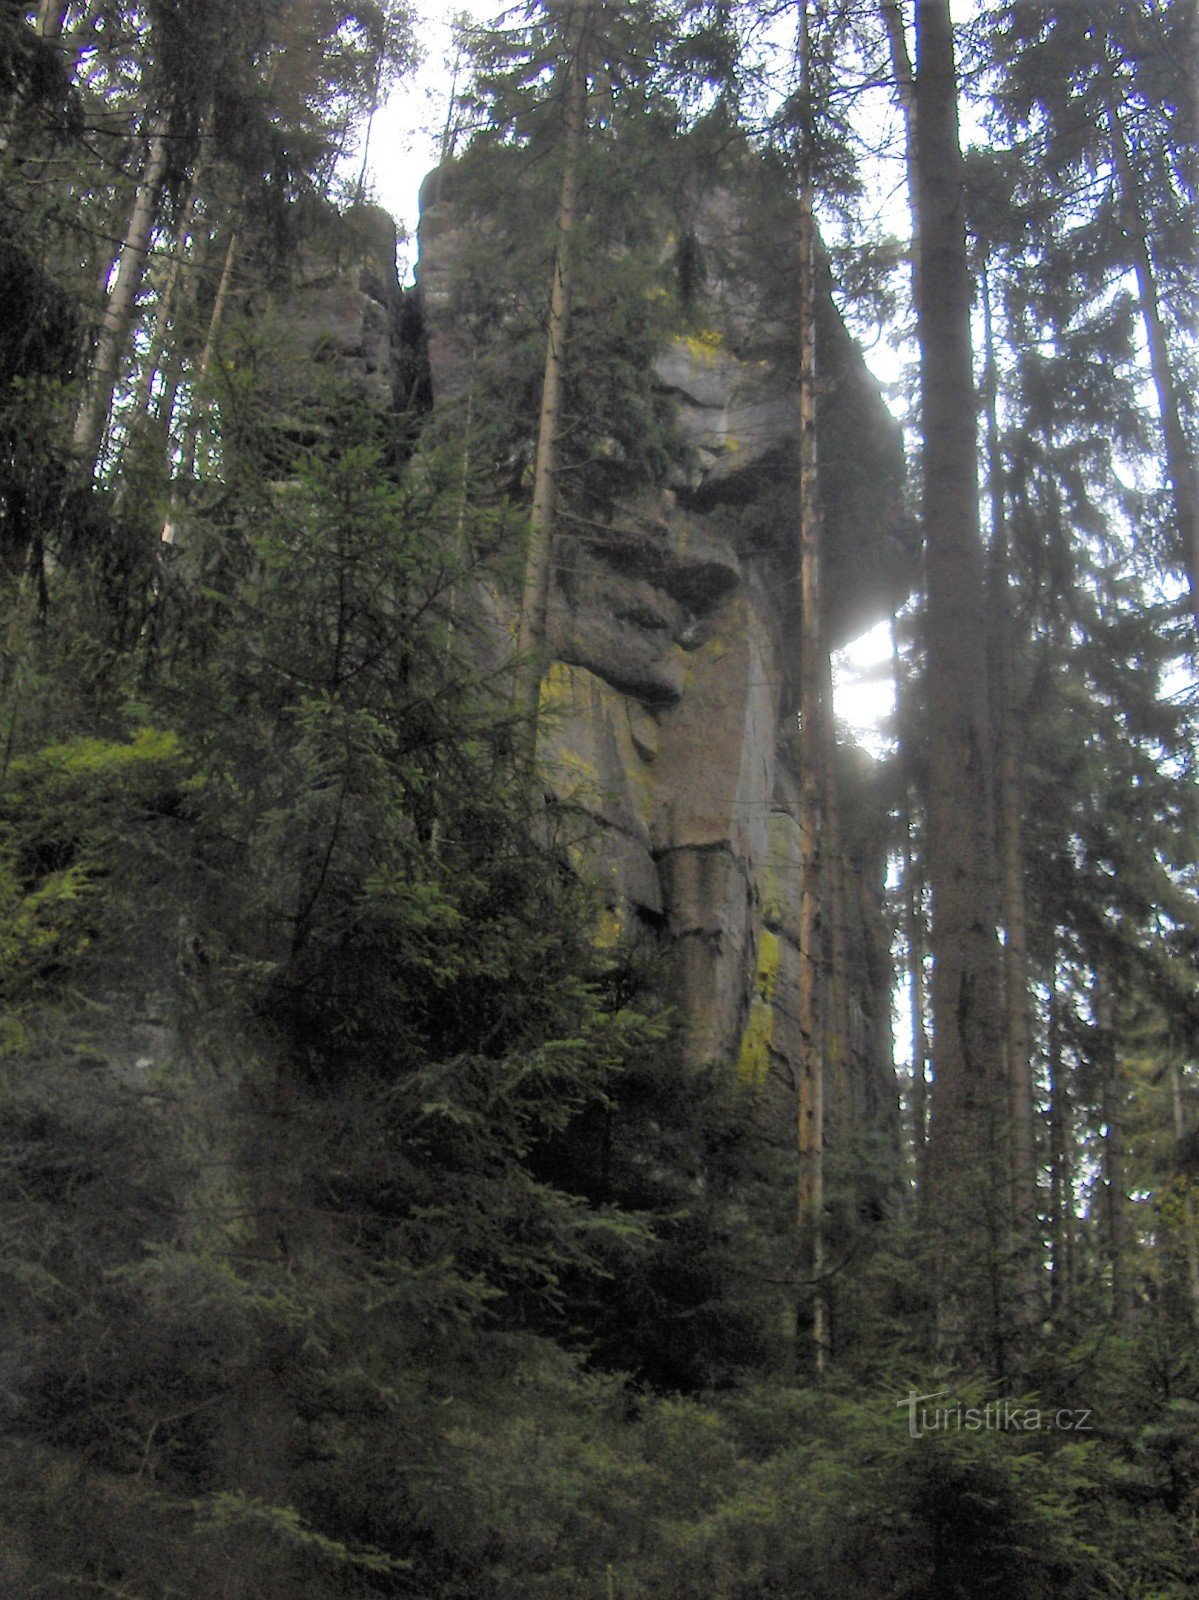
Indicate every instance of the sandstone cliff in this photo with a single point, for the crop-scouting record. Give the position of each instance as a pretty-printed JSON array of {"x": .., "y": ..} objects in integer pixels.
[{"x": 674, "y": 627}]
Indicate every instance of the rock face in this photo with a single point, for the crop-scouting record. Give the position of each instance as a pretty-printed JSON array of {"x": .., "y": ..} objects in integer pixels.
[
  {"x": 671, "y": 701},
  {"x": 674, "y": 627},
  {"x": 341, "y": 312}
]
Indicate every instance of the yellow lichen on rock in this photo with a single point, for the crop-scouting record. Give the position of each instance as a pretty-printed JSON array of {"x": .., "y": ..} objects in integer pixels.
[
  {"x": 753, "y": 1062},
  {"x": 577, "y": 766},
  {"x": 768, "y": 964},
  {"x": 704, "y": 345},
  {"x": 780, "y": 880},
  {"x": 557, "y": 686}
]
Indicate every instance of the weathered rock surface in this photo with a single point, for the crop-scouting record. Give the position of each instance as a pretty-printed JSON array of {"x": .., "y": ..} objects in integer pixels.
[
  {"x": 341, "y": 312},
  {"x": 674, "y": 624},
  {"x": 675, "y": 628}
]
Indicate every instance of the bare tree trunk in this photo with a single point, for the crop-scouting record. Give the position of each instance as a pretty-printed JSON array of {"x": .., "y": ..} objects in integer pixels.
[
  {"x": 164, "y": 314},
  {"x": 841, "y": 1116},
  {"x": 1018, "y": 1033},
  {"x": 813, "y": 756},
  {"x": 901, "y": 63},
  {"x": 117, "y": 320},
  {"x": 1190, "y": 1247},
  {"x": 967, "y": 1159},
  {"x": 1180, "y": 467},
  {"x": 204, "y": 366},
  {"x": 913, "y": 912},
  {"x": 1002, "y": 640},
  {"x": 449, "y": 133},
  {"x": 1115, "y": 1193},
  {"x": 164, "y": 311},
  {"x": 164, "y": 408},
  {"x": 539, "y": 554},
  {"x": 189, "y": 448},
  {"x": 905, "y": 92},
  {"x": 1061, "y": 1189}
]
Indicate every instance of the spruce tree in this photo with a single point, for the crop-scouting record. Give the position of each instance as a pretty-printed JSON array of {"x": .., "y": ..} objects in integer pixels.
[{"x": 966, "y": 1201}]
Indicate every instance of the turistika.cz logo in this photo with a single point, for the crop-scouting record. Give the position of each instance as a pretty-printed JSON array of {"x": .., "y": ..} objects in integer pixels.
[{"x": 997, "y": 1416}]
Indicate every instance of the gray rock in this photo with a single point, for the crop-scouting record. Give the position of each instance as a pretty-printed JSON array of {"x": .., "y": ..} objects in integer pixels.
[
  {"x": 711, "y": 919},
  {"x": 674, "y": 627},
  {"x": 591, "y": 760}
]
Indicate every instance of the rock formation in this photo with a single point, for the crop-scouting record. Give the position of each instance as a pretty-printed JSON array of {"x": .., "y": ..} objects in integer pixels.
[
  {"x": 671, "y": 697},
  {"x": 672, "y": 693}
]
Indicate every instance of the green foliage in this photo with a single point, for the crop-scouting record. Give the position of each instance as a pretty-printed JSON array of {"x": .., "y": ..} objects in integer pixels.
[
  {"x": 326, "y": 994},
  {"x": 362, "y": 1234}
]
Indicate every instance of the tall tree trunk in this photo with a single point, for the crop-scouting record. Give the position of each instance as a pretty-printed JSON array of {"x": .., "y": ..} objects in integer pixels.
[
  {"x": 189, "y": 448},
  {"x": 1002, "y": 643},
  {"x": 905, "y": 92},
  {"x": 967, "y": 1162},
  {"x": 539, "y": 554},
  {"x": 1115, "y": 1197},
  {"x": 813, "y": 748},
  {"x": 841, "y": 1108},
  {"x": 1017, "y": 1031},
  {"x": 208, "y": 354},
  {"x": 901, "y": 67},
  {"x": 913, "y": 913},
  {"x": 449, "y": 133},
  {"x": 141, "y": 407},
  {"x": 165, "y": 407},
  {"x": 117, "y": 321},
  {"x": 191, "y": 434},
  {"x": 1061, "y": 1189},
  {"x": 1180, "y": 465},
  {"x": 1189, "y": 1243}
]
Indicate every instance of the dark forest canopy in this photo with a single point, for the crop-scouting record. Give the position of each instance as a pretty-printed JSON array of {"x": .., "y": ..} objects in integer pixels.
[{"x": 419, "y": 1175}]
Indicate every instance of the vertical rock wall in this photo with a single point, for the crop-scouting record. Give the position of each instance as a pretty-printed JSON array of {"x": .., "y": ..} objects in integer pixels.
[{"x": 670, "y": 702}]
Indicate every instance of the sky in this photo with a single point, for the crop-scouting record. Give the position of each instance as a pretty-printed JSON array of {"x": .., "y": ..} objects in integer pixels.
[{"x": 408, "y": 130}]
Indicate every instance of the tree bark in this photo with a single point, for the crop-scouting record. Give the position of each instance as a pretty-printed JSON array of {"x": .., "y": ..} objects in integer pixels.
[
  {"x": 913, "y": 913},
  {"x": 905, "y": 92},
  {"x": 1061, "y": 1189},
  {"x": 1003, "y": 647},
  {"x": 117, "y": 320},
  {"x": 190, "y": 445},
  {"x": 164, "y": 314},
  {"x": 1115, "y": 1195},
  {"x": 842, "y": 1115},
  {"x": 1189, "y": 1244},
  {"x": 901, "y": 64},
  {"x": 539, "y": 553},
  {"x": 967, "y": 1162},
  {"x": 813, "y": 745},
  {"x": 204, "y": 366},
  {"x": 165, "y": 407}
]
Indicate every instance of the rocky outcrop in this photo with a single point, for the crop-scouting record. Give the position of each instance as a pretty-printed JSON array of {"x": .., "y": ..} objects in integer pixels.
[
  {"x": 670, "y": 704},
  {"x": 341, "y": 311},
  {"x": 669, "y": 708}
]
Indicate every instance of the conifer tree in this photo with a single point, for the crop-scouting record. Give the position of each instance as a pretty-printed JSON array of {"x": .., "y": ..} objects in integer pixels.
[
  {"x": 1104, "y": 108},
  {"x": 966, "y": 1184},
  {"x": 814, "y": 753},
  {"x": 578, "y": 23}
]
